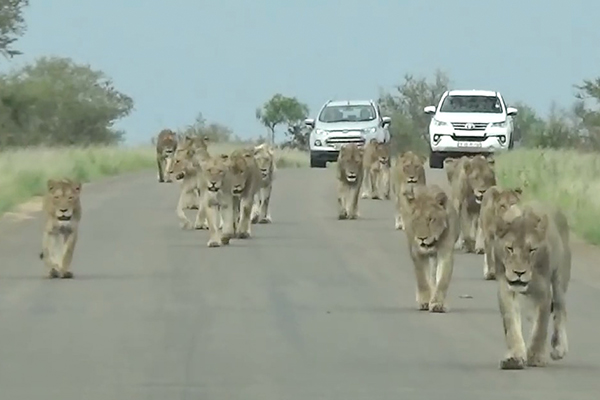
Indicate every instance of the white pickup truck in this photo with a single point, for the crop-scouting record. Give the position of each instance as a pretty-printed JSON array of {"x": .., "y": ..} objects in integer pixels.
[{"x": 469, "y": 122}]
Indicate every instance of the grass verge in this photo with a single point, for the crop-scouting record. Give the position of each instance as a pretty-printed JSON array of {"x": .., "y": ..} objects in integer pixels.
[
  {"x": 568, "y": 179},
  {"x": 25, "y": 171}
]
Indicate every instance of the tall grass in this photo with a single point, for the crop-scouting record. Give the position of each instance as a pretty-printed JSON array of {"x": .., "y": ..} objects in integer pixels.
[
  {"x": 25, "y": 171},
  {"x": 568, "y": 179}
]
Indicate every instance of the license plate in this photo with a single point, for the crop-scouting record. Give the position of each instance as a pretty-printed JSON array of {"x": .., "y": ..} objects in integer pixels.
[{"x": 469, "y": 144}]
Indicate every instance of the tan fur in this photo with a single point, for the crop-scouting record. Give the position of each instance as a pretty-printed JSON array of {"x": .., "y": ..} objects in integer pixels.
[
  {"x": 496, "y": 201},
  {"x": 408, "y": 170},
  {"x": 450, "y": 166},
  {"x": 470, "y": 179},
  {"x": 245, "y": 181},
  {"x": 431, "y": 231},
  {"x": 349, "y": 176},
  {"x": 533, "y": 262},
  {"x": 216, "y": 199},
  {"x": 166, "y": 144},
  {"x": 62, "y": 213},
  {"x": 187, "y": 168},
  {"x": 265, "y": 161},
  {"x": 376, "y": 170}
]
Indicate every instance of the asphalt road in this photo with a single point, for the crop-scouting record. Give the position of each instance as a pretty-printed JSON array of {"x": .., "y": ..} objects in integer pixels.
[{"x": 309, "y": 308}]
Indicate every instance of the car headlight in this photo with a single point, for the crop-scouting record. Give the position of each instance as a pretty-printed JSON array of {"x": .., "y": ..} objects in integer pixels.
[
  {"x": 320, "y": 132},
  {"x": 369, "y": 131},
  {"x": 499, "y": 124},
  {"x": 437, "y": 122}
]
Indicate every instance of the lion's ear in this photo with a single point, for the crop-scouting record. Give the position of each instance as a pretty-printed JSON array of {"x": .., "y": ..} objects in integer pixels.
[
  {"x": 76, "y": 185},
  {"x": 51, "y": 184},
  {"x": 518, "y": 190},
  {"x": 542, "y": 224},
  {"x": 441, "y": 198}
]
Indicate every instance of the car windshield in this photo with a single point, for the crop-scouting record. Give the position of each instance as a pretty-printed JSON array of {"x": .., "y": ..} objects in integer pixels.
[
  {"x": 472, "y": 104},
  {"x": 347, "y": 113}
]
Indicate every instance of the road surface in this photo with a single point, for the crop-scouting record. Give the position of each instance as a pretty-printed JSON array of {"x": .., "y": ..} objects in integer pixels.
[{"x": 309, "y": 308}]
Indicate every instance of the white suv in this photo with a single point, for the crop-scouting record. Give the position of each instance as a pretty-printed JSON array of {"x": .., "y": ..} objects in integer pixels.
[
  {"x": 469, "y": 122},
  {"x": 340, "y": 122}
]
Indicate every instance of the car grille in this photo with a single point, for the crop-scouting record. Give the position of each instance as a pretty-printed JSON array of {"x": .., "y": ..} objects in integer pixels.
[
  {"x": 469, "y": 138},
  {"x": 332, "y": 140},
  {"x": 462, "y": 126}
]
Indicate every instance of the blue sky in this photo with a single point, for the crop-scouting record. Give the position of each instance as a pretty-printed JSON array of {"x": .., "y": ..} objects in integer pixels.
[{"x": 226, "y": 57}]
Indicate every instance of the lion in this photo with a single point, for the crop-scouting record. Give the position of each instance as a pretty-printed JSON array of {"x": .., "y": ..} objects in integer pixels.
[
  {"x": 245, "y": 183},
  {"x": 349, "y": 176},
  {"x": 62, "y": 213},
  {"x": 376, "y": 174},
  {"x": 450, "y": 166},
  {"x": 533, "y": 260},
  {"x": 495, "y": 202},
  {"x": 265, "y": 160},
  {"x": 216, "y": 199},
  {"x": 166, "y": 144},
  {"x": 431, "y": 231},
  {"x": 408, "y": 170},
  {"x": 470, "y": 180}
]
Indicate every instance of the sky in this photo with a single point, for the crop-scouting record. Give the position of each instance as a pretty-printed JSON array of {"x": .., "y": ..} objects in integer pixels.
[{"x": 225, "y": 58}]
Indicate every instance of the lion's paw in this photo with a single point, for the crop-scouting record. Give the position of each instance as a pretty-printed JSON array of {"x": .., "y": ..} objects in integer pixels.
[
  {"x": 265, "y": 220},
  {"x": 67, "y": 275},
  {"x": 185, "y": 225},
  {"x": 489, "y": 276},
  {"x": 559, "y": 350},
  {"x": 202, "y": 226},
  {"x": 423, "y": 306},
  {"x": 254, "y": 219},
  {"x": 53, "y": 273},
  {"x": 512, "y": 362},
  {"x": 536, "y": 360},
  {"x": 352, "y": 216},
  {"x": 364, "y": 195},
  {"x": 342, "y": 215},
  {"x": 243, "y": 235},
  {"x": 226, "y": 238},
  {"x": 435, "y": 307},
  {"x": 479, "y": 250},
  {"x": 213, "y": 243}
]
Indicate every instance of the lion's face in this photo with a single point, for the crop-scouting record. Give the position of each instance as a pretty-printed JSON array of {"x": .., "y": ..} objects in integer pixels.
[
  {"x": 214, "y": 171},
  {"x": 350, "y": 160},
  {"x": 264, "y": 161},
  {"x": 182, "y": 161},
  {"x": 382, "y": 151},
  {"x": 240, "y": 166},
  {"x": 521, "y": 244},
  {"x": 412, "y": 167},
  {"x": 64, "y": 197},
  {"x": 428, "y": 218},
  {"x": 505, "y": 198},
  {"x": 480, "y": 175}
]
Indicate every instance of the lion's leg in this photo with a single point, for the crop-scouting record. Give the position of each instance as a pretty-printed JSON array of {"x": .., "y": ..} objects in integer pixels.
[
  {"x": 236, "y": 214},
  {"x": 366, "y": 184},
  {"x": 258, "y": 200},
  {"x": 536, "y": 352},
  {"x": 67, "y": 256},
  {"x": 201, "y": 222},
  {"x": 341, "y": 195},
  {"x": 49, "y": 254},
  {"x": 489, "y": 264},
  {"x": 445, "y": 267},
  {"x": 185, "y": 223},
  {"x": 398, "y": 205},
  {"x": 559, "y": 342},
  {"x": 168, "y": 163},
  {"x": 228, "y": 215},
  {"x": 511, "y": 320},
  {"x": 352, "y": 201},
  {"x": 373, "y": 180},
  {"x": 244, "y": 228},
  {"x": 422, "y": 271},
  {"x": 212, "y": 215},
  {"x": 161, "y": 176},
  {"x": 479, "y": 239},
  {"x": 265, "y": 217},
  {"x": 465, "y": 228},
  {"x": 385, "y": 183}
]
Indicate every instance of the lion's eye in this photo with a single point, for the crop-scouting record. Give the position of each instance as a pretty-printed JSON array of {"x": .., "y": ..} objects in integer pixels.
[
  {"x": 509, "y": 249},
  {"x": 532, "y": 250}
]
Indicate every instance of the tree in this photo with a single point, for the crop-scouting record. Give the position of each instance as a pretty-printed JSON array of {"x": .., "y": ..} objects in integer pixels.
[
  {"x": 12, "y": 25},
  {"x": 214, "y": 131},
  {"x": 409, "y": 124},
  {"x": 55, "y": 101},
  {"x": 279, "y": 110}
]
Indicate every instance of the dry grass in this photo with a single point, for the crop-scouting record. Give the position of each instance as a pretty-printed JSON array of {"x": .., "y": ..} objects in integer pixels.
[
  {"x": 25, "y": 171},
  {"x": 568, "y": 179}
]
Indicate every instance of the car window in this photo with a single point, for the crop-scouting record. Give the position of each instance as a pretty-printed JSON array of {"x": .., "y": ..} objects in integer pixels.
[
  {"x": 472, "y": 104},
  {"x": 346, "y": 113}
]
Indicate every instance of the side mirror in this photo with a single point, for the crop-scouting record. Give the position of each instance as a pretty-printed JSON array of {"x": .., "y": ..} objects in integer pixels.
[
  {"x": 511, "y": 111},
  {"x": 385, "y": 121},
  {"x": 429, "y": 110},
  {"x": 309, "y": 122}
]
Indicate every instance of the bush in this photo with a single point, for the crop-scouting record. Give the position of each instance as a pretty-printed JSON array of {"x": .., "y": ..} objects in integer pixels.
[{"x": 566, "y": 178}]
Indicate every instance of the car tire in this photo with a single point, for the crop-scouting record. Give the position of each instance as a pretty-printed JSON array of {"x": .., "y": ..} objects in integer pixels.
[{"x": 436, "y": 161}]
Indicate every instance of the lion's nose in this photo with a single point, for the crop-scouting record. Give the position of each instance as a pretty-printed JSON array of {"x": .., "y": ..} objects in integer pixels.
[
  {"x": 519, "y": 273},
  {"x": 63, "y": 210}
]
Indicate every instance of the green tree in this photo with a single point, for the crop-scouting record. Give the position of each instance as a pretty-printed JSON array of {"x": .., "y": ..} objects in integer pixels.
[
  {"x": 405, "y": 106},
  {"x": 214, "y": 131},
  {"x": 56, "y": 101},
  {"x": 281, "y": 110},
  {"x": 12, "y": 25}
]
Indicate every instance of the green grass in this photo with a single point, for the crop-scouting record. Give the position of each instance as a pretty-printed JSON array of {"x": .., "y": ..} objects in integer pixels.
[
  {"x": 568, "y": 179},
  {"x": 25, "y": 171}
]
